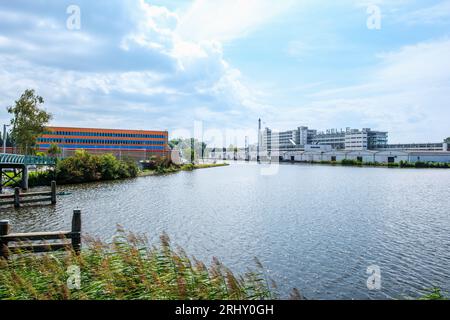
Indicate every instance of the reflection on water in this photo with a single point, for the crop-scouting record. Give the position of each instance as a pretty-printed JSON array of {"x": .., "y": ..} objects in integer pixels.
[{"x": 316, "y": 228}]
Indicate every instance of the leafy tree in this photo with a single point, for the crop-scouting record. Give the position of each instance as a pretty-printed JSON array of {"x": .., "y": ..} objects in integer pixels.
[
  {"x": 175, "y": 142},
  {"x": 447, "y": 140},
  {"x": 9, "y": 142},
  {"x": 54, "y": 150},
  {"x": 28, "y": 121},
  {"x": 190, "y": 149}
]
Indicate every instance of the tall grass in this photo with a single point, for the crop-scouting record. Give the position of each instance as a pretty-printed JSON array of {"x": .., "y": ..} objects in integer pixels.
[
  {"x": 127, "y": 268},
  {"x": 435, "y": 294}
]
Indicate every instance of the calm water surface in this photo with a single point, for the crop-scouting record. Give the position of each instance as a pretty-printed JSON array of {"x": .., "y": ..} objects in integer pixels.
[{"x": 316, "y": 228}]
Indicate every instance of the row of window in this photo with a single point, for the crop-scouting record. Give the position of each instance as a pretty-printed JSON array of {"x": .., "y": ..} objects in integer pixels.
[
  {"x": 95, "y": 141},
  {"x": 106, "y": 134},
  {"x": 75, "y": 146}
]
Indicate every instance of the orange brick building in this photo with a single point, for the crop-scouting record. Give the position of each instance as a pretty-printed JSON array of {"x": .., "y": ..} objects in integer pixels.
[{"x": 137, "y": 144}]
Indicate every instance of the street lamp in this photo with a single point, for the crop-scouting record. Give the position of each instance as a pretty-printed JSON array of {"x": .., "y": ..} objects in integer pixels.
[{"x": 4, "y": 137}]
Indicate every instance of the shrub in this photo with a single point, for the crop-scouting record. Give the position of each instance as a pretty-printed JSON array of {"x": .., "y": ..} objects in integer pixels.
[
  {"x": 347, "y": 162},
  {"x": 188, "y": 167},
  {"x": 41, "y": 178},
  {"x": 109, "y": 167},
  {"x": 84, "y": 167}
]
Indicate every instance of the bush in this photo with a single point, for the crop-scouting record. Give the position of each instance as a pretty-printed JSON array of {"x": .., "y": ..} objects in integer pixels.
[
  {"x": 347, "y": 162},
  {"x": 160, "y": 165},
  {"x": 84, "y": 167},
  {"x": 39, "y": 178},
  {"x": 188, "y": 167}
]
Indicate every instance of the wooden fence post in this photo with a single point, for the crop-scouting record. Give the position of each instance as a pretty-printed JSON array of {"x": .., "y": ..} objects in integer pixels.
[
  {"x": 76, "y": 231},
  {"x": 17, "y": 197},
  {"x": 53, "y": 192},
  {"x": 4, "y": 230}
]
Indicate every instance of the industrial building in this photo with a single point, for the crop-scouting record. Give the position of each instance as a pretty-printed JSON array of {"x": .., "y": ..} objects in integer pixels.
[
  {"x": 286, "y": 140},
  {"x": 349, "y": 139},
  {"x": 368, "y": 156},
  {"x": 137, "y": 144},
  {"x": 365, "y": 145},
  {"x": 443, "y": 146}
]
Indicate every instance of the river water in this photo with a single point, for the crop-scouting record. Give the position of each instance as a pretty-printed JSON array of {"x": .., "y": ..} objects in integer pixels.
[{"x": 313, "y": 227}]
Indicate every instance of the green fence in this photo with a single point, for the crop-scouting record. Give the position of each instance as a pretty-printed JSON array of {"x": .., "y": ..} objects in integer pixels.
[{"x": 6, "y": 158}]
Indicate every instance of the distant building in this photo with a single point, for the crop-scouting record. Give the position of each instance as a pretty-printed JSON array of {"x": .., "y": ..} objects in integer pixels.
[
  {"x": 415, "y": 147},
  {"x": 369, "y": 156},
  {"x": 286, "y": 140},
  {"x": 366, "y": 139},
  {"x": 350, "y": 139},
  {"x": 137, "y": 144}
]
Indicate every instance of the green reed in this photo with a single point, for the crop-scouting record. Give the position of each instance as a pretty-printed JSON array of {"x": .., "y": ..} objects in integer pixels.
[{"x": 127, "y": 268}]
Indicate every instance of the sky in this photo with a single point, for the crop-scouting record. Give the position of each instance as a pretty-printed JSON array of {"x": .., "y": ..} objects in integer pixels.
[{"x": 222, "y": 64}]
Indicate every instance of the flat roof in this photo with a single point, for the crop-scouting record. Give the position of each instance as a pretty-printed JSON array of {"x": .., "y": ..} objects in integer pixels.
[{"x": 104, "y": 130}]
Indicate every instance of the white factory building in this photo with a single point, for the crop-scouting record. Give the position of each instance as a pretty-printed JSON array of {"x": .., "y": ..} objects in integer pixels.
[
  {"x": 367, "y": 156},
  {"x": 307, "y": 145}
]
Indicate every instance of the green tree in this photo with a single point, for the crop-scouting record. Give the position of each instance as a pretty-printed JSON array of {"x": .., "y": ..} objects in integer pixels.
[
  {"x": 54, "y": 150},
  {"x": 447, "y": 140},
  {"x": 28, "y": 122}
]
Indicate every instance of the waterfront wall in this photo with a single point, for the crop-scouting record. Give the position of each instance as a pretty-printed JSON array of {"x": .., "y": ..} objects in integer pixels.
[{"x": 335, "y": 155}]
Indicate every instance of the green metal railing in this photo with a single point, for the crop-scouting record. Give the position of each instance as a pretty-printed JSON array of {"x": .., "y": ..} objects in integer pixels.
[{"x": 6, "y": 158}]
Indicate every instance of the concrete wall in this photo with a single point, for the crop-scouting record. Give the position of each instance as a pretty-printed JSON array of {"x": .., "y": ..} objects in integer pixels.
[{"x": 370, "y": 156}]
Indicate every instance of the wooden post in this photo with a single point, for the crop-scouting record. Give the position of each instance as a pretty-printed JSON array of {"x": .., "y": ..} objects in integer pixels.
[
  {"x": 1, "y": 179},
  {"x": 53, "y": 192},
  {"x": 25, "y": 177},
  {"x": 4, "y": 230},
  {"x": 76, "y": 231},
  {"x": 17, "y": 197}
]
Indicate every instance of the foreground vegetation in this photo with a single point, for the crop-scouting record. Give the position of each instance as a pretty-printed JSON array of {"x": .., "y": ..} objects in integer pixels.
[
  {"x": 435, "y": 294},
  {"x": 128, "y": 268},
  {"x": 401, "y": 164}
]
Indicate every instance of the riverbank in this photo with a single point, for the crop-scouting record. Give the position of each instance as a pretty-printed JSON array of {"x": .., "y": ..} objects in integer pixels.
[
  {"x": 127, "y": 269},
  {"x": 401, "y": 164},
  {"x": 175, "y": 169},
  {"x": 84, "y": 168}
]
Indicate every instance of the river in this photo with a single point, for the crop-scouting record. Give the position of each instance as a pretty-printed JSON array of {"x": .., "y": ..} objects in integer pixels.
[{"x": 314, "y": 227}]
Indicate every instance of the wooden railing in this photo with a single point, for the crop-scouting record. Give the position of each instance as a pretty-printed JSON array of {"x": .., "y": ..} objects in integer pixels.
[
  {"x": 23, "y": 242},
  {"x": 17, "y": 199}
]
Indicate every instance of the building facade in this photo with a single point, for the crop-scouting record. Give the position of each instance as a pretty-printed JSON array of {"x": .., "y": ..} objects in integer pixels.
[
  {"x": 286, "y": 140},
  {"x": 368, "y": 156},
  {"x": 136, "y": 144},
  {"x": 349, "y": 139},
  {"x": 416, "y": 147}
]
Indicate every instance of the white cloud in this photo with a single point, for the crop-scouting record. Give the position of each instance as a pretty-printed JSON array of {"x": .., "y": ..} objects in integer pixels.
[
  {"x": 224, "y": 20},
  {"x": 407, "y": 93},
  {"x": 135, "y": 70},
  {"x": 438, "y": 13}
]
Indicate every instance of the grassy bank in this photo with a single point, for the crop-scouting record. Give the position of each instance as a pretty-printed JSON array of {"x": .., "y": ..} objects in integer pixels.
[
  {"x": 128, "y": 268},
  {"x": 177, "y": 168},
  {"x": 401, "y": 164}
]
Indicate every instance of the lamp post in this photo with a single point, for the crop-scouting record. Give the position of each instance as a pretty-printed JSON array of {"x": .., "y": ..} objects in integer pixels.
[{"x": 4, "y": 137}]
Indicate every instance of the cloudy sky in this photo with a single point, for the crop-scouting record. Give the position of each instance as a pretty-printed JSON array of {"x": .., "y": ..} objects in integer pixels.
[{"x": 165, "y": 64}]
